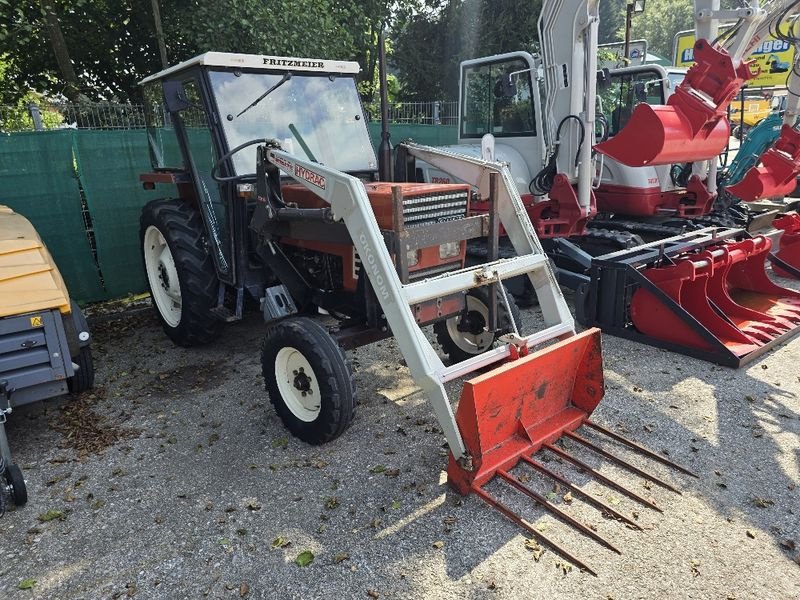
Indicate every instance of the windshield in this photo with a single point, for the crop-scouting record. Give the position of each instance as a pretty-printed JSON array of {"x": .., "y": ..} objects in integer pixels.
[{"x": 317, "y": 117}]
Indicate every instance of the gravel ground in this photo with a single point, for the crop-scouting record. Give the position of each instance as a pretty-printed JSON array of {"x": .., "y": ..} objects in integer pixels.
[{"x": 175, "y": 479}]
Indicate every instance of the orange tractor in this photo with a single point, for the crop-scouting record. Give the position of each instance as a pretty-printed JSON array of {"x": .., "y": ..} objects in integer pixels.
[{"x": 278, "y": 200}]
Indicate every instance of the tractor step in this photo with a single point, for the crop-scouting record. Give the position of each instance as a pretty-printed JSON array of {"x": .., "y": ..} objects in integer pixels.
[
  {"x": 531, "y": 404},
  {"x": 705, "y": 294}
]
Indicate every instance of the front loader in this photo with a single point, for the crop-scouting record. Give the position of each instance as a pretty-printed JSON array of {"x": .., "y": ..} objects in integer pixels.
[{"x": 278, "y": 199}]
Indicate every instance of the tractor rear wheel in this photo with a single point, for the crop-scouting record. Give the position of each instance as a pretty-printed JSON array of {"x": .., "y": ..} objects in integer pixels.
[
  {"x": 464, "y": 336},
  {"x": 181, "y": 275},
  {"x": 309, "y": 380}
]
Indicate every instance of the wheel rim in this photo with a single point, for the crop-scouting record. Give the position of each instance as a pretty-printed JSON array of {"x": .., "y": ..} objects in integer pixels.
[
  {"x": 477, "y": 340},
  {"x": 298, "y": 384},
  {"x": 162, "y": 275}
]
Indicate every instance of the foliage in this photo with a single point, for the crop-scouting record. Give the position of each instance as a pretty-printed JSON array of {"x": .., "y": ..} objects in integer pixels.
[
  {"x": 660, "y": 22},
  {"x": 429, "y": 45}
]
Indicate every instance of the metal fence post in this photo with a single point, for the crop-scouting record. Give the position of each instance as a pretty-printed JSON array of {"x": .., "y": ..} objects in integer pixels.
[
  {"x": 36, "y": 115},
  {"x": 436, "y": 117}
]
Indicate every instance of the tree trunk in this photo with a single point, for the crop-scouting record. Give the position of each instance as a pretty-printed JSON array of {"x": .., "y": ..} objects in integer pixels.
[{"x": 61, "y": 52}]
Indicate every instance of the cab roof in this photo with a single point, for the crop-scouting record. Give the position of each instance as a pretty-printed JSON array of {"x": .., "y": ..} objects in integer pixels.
[{"x": 259, "y": 62}]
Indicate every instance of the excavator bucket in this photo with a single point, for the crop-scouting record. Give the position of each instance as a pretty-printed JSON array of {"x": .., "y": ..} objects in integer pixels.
[
  {"x": 693, "y": 125},
  {"x": 706, "y": 294},
  {"x": 777, "y": 175},
  {"x": 530, "y": 404},
  {"x": 788, "y": 254}
]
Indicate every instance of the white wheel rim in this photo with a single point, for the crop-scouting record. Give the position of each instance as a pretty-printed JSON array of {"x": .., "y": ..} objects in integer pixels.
[
  {"x": 471, "y": 342},
  {"x": 162, "y": 276},
  {"x": 298, "y": 384}
]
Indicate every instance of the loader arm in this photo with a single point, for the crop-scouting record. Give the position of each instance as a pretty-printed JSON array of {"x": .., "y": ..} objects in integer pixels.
[{"x": 349, "y": 201}]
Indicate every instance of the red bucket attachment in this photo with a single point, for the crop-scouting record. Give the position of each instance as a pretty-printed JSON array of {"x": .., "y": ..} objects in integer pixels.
[
  {"x": 507, "y": 414},
  {"x": 693, "y": 125},
  {"x": 789, "y": 251},
  {"x": 777, "y": 175},
  {"x": 514, "y": 409},
  {"x": 726, "y": 291}
]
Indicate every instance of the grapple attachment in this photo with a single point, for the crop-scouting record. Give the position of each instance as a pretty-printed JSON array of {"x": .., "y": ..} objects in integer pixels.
[
  {"x": 705, "y": 294},
  {"x": 788, "y": 254},
  {"x": 693, "y": 125},
  {"x": 529, "y": 404},
  {"x": 514, "y": 409},
  {"x": 777, "y": 175}
]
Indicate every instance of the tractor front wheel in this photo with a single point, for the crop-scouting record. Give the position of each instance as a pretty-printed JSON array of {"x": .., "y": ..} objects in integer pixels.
[
  {"x": 181, "y": 275},
  {"x": 309, "y": 380},
  {"x": 464, "y": 335}
]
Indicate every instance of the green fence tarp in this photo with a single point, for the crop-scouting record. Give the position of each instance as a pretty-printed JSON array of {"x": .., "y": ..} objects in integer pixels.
[
  {"x": 37, "y": 180},
  {"x": 429, "y": 135},
  {"x": 109, "y": 163}
]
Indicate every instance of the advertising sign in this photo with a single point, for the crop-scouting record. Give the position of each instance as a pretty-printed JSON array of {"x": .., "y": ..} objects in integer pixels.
[{"x": 773, "y": 57}]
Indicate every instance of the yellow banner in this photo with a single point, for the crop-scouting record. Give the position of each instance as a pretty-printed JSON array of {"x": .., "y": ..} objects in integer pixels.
[{"x": 773, "y": 57}]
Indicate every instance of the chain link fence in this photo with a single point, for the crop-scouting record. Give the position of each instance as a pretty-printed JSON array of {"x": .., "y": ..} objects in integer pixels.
[{"x": 115, "y": 116}]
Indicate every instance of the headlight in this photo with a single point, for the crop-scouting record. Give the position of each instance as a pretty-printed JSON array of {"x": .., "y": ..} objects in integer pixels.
[
  {"x": 413, "y": 258},
  {"x": 449, "y": 250}
]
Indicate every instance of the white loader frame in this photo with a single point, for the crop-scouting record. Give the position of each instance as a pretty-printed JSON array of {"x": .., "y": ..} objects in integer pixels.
[{"x": 348, "y": 199}]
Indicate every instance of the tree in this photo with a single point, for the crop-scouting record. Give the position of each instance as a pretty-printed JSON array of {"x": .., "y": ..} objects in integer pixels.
[
  {"x": 429, "y": 45},
  {"x": 660, "y": 22}
]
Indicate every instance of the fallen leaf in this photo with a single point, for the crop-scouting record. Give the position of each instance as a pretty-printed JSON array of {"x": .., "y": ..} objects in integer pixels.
[
  {"x": 305, "y": 558},
  {"x": 378, "y": 469},
  {"x": 331, "y": 502},
  {"x": 542, "y": 527},
  {"x": 224, "y": 542},
  {"x": 564, "y": 567},
  {"x": 375, "y": 523},
  {"x": 51, "y": 515},
  {"x": 280, "y": 542},
  {"x": 750, "y": 534},
  {"x": 280, "y": 443},
  {"x": 395, "y": 505},
  {"x": 788, "y": 544},
  {"x": 341, "y": 557},
  {"x": 26, "y": 584},
  {"x": 568, "y": 497},
  {"x": 762, "y": 502},
  {"x": 535, "y": 548},
  {"x": 438, "y": 545},
  {"x": 392, "y": 472},
  {"x": 373, "y": 594},
  {"x": 244, "y": 589},
  {"x": 695, "y": 571}
]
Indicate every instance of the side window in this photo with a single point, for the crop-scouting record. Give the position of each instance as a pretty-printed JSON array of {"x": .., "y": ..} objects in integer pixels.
[
  {"x": 161, "y": 139},
  {"x": 498, "y": 99},
  {"x": 627, "y": 90}
]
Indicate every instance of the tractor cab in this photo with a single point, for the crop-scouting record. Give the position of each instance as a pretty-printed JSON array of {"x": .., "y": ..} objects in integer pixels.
[{"x": 201, "y": 109}]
